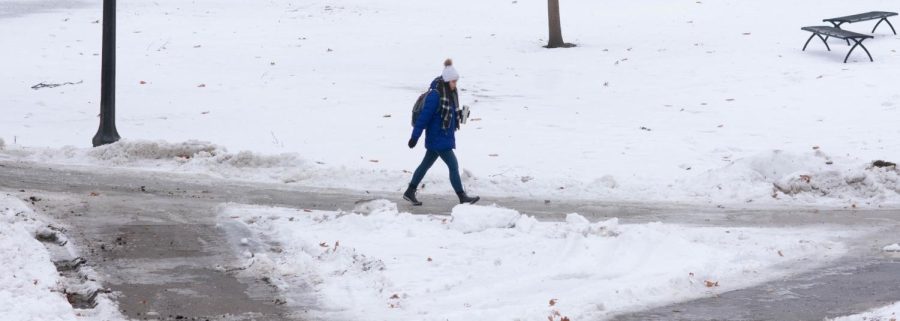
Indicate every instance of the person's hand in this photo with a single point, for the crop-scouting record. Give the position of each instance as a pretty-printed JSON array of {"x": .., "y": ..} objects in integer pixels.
[{"x": 412, "y": 142}]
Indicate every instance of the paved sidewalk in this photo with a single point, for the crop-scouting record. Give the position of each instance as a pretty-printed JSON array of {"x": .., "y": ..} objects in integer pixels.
[
  {"x": 165, "y": 258},
  {"x": 839, "y": 290}
]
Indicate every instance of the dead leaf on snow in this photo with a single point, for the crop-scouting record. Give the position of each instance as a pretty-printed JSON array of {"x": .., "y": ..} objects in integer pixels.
[{"x": 552, "y": 302}]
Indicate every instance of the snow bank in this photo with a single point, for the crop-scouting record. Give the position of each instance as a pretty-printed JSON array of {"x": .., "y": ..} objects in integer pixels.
[
  {"x": 472, "y": 218},
  {"x": 888, "y": 313},
  {"x": 375, "y": 207},
  {"x": 580, "y": 225},
  {"x": 813, "y": 177},
  {"x": 509, "y": 266},
  {"x": 197, "y": 154},
  {"x": 29, "y": 283},
  {"x": 192, "y": 155},
  {"x": 127, "y": 151},
  {"x": 196, "y": 157},
  {"x": 30, "y": 286}
]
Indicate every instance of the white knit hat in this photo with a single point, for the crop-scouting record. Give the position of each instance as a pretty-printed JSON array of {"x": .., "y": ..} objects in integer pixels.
[{"x": 450, "y": 74}]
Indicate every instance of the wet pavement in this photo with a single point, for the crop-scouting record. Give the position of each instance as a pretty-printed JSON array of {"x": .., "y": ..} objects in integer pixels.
[
  {"x": 842, "y": 289},
  {"x": 163, "y": 258}
]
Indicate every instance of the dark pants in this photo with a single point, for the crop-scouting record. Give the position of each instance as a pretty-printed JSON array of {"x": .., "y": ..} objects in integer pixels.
[{"x": 449, "y": 158}]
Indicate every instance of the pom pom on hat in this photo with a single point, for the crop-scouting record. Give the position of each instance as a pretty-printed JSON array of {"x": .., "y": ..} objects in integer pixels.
[{"x": 449, "y": 73}]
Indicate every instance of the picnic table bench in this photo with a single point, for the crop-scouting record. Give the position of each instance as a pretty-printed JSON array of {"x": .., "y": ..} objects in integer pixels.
[
  {"x": 839, "y": 33},
  {"x": 872, "y": 15}
]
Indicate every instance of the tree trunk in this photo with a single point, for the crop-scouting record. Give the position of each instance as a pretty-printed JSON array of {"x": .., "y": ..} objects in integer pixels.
[{"x": 556, "y": 39}]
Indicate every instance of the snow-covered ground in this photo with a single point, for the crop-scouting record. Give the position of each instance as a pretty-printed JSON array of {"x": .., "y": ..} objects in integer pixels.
[
  {"x": 675, "y": 101},
  {"x": 30, "y": 286},
  {"x": 490, "y": 263},
  {"x": 888, "y": 313}
]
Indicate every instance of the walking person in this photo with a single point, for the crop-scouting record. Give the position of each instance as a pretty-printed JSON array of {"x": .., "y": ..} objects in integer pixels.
[{"x": 439, "y": 119}]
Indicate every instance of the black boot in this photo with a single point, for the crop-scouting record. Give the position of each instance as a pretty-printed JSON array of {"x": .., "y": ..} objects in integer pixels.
[
  {"x": 463, "y": 198},
  {"x": 410, "y": 195}
]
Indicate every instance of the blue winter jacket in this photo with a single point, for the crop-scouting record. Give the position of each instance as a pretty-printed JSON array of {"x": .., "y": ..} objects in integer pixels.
[{"x": 436, "y": 138}]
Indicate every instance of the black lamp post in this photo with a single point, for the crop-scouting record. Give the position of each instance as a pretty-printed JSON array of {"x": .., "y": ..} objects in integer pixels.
[{"x": 107, "y": 133}]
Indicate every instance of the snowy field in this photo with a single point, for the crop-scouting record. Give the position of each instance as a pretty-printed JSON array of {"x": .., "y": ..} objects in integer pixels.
[
  {"x": 489, "y": 263},
  {"x": 30, "y": 286},
  {"x": 707, "y": 102}
]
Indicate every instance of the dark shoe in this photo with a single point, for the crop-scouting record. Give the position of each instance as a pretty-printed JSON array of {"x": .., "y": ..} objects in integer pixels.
[
  {"x": 410, "y": 195},
  {"x": 463, "y": 198}
]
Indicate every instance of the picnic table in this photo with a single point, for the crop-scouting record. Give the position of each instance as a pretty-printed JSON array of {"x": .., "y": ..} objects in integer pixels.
[
  {"x": 839, "y": 33},
  {"x": 871, "y": 15}
]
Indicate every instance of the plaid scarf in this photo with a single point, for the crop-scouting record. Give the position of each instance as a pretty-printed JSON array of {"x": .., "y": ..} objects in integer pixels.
[{"x": 449, "y": 99}]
